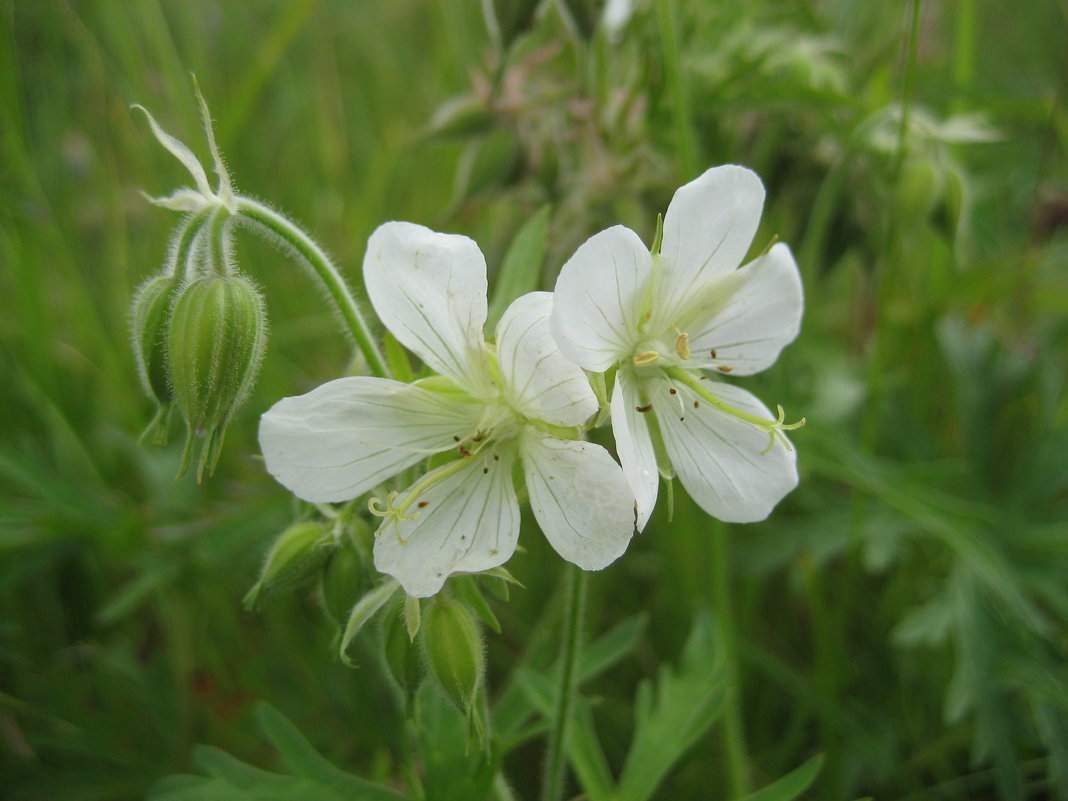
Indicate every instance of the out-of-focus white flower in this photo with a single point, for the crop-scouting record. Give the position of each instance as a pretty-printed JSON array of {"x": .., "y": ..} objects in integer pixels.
[
  {"x": 516, "y": 403},
  {"x": 670, "y": 318}
]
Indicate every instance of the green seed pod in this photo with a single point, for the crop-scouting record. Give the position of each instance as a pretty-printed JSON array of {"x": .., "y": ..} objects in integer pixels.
[
  {"x": 148, "y": 326},
  {"x": 401, "y": 654},
  {"x": 217, "y": 335},
  {"x": 294, "y": 557},
  {"x": 453, "y": 651}
]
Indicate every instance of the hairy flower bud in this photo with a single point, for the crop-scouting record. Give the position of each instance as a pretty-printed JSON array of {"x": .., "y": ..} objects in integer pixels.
[
  {"x": 148, "y": 325},
  {"x": 296, "y": 554},
  {"x": 401, "y": 654},
  {"x": 453, "y": 651},
  {"x": 216, "y": 339}
]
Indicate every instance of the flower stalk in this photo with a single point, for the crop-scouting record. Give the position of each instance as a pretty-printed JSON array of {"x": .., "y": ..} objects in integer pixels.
[{"x": 556, "y": 754}]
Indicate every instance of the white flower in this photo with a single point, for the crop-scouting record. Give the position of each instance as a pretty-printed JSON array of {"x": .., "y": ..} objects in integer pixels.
[
  {"x": 666, "y": 318},
  {"x": 496, "y": 407}
]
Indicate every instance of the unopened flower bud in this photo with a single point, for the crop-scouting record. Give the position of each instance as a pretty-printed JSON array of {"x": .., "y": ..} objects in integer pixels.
[
  {"x": 453, "y": 650},
  {"x": 401, "y": 654},
  {"x": 298, "y": 552},
  {"x": 148, "y": 325},
  {"x": 347, "y": 576},
  {"x": 216, "y": 338}
]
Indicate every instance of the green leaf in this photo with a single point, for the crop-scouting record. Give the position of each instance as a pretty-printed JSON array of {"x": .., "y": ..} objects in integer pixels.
[
  {"x": 584, "y": 750},
  {"x": 521, "y": 271},
  {"x": 671, "y": 717},
  {"x": 229, "y": 779},
  {"x": 302, "y": 758},
  {"x": 792, "y": 784},
  {"x": 609, "y": 648}
]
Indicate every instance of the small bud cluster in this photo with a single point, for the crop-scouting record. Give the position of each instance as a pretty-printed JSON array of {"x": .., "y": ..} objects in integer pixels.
[{"x": 199, "y": 341}]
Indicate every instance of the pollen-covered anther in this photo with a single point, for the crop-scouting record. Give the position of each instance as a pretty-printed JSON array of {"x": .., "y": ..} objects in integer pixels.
[
  {"x": 682, "y": 346},
  {"x": 646, "y": 357}
]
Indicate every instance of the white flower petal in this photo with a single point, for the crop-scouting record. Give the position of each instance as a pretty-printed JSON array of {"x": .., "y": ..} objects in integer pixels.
[
  {"x": 536, "y": 377},
  {"x": 757, "y": 314},
  {"x": 598, "y": 299},
  {"x": 468, "y": 521},
  {"x": 708, "y": 228},
  {"x": 180, "y": 152},
  {"x": 345, "y": 437},
  {"x": 429, "y": 289},
  {"x": 579, "y": 497},
  {"x": 718, "y": 457},
  {"x": 634, "y": 445}
]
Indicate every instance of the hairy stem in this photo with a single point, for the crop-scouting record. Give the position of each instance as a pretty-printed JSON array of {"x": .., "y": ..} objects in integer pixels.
[{"x": 303, "y": 245}]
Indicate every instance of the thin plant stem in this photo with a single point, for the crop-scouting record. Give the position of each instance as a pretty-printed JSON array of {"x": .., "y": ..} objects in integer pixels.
[
  {"x": 738, "y": 772},
  {"x": 556, "y": 759},
  {"x": 282, "y": 228},
  {"x": 666, "y": 14}
]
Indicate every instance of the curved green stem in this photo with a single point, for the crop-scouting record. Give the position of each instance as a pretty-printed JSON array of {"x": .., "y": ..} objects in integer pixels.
[
  {"x": 218, "y": 263},
  {"x": 556, "y": 758},
  {"x": 183, "y": 242},
  {"x": 282, "y": 228}
]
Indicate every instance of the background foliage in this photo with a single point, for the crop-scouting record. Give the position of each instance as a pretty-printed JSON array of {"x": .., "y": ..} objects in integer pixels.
[{"x": 903, "y": 612}]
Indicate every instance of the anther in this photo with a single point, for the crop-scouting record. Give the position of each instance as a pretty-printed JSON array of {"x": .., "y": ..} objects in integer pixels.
[
  {"x": 646, "y": 357},
  {"x": 682, "y": 346}
]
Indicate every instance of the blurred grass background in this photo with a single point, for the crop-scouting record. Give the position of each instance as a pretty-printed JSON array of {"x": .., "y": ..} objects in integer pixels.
[{"x": 903, "y": 611}]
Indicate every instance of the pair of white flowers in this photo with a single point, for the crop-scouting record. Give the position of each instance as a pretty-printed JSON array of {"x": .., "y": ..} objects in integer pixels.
[{"x": 662, "y": 322}]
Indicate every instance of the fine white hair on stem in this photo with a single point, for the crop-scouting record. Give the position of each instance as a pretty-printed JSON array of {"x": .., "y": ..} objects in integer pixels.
[{"x": 286, "y": 247}]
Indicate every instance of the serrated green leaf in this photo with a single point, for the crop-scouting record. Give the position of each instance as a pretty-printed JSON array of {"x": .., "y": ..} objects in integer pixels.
[
  {"x": 302, "y": 758},
  {"x": 669, "y": 719}
]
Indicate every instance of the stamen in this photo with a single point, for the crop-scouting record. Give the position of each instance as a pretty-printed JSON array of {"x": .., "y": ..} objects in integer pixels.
[
  {"x": 682, "y": 346},
  {"x": 646, "y": 357},
  {"x": 773, "y": 428}
]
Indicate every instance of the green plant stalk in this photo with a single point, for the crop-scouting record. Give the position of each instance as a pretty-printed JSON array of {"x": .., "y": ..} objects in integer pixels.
[
  {"x": 963, "y": 52},
  {"x": 666, "y": 15},
  {"x": 738, "y": 772},
  {"x": 556, "y": 757},
  {"x": 282, "y": 228},
  {"x": 184, "y": 245},
  {"x": 218, "y": 263}
]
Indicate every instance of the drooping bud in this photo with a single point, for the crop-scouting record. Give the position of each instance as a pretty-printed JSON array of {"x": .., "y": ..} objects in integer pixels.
[
  {"x": 348, "y": 574},
  {"x": 294, "y": 557},
  {"x": 216, "y": 338},
  {"x": 148, "y": 325},
  {"x": 453, "y": 650},
  {"x": 401, "y": 654}
]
